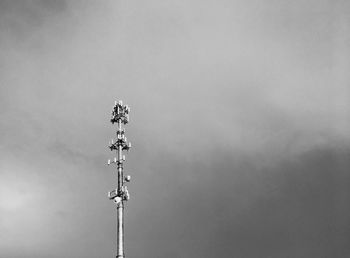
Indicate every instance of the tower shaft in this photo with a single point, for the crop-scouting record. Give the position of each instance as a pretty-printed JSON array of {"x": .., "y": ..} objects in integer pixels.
[
  {"x": 120, "y": 230},
  {"x": 120, "y": 205}
]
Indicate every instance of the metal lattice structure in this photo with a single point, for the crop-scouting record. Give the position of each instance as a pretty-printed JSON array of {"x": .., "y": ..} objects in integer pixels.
[{"x": 120, "y": 116}]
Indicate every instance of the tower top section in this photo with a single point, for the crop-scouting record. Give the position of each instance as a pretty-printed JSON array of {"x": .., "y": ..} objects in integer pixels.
[{"x": 120, "y": 113}]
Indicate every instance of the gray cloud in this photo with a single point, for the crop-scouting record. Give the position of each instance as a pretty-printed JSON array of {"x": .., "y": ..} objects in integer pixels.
[{"x": 239, "y": 121}]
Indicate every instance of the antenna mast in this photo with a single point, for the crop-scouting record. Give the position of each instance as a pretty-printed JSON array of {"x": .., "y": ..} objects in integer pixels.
[{"x": 120, "y": 115}]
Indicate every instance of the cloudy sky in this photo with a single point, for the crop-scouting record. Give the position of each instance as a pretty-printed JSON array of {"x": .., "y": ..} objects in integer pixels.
[{"x": 240, "y": 125}]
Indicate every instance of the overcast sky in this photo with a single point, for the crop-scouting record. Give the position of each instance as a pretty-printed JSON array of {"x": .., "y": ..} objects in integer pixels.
[{"x": 240, "y": 125}]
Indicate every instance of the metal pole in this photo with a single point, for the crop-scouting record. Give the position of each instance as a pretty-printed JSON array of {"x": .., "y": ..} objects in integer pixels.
[
  {"x": 120, "y": 115},
  {"x": 120, "y": 206}
]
